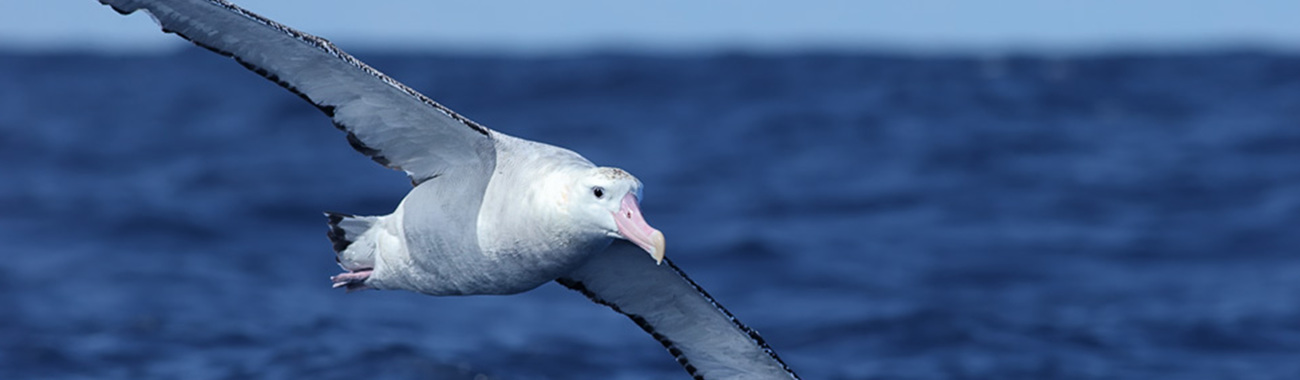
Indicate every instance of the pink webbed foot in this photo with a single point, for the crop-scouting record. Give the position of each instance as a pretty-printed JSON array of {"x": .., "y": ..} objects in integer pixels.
[{"x": 352, "y": 281}]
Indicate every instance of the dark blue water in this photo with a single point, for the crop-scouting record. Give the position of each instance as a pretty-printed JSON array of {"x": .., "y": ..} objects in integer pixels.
[{"x": 874, "y": 216}]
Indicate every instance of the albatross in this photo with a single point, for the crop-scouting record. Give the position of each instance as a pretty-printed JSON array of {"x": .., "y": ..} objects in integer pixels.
[{"x": 488, "y": 213}]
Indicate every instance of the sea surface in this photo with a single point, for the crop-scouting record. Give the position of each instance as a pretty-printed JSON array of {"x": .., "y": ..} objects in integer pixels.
[{"x": 874, "y": 216}]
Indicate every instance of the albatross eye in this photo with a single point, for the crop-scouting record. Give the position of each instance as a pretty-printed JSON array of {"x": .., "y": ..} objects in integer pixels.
[{"x": 598, "y": 191}]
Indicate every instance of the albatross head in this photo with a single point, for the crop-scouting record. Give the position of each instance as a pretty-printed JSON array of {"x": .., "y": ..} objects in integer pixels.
[{"x": 609, "y": 198}]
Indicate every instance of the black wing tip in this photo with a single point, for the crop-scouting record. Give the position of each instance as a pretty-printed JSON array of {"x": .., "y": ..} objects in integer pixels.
[{"x": 120, "y": 10}]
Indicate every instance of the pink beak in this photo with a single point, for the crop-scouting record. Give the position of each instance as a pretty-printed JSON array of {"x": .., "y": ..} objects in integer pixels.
[{"x": 634, "y": 228}]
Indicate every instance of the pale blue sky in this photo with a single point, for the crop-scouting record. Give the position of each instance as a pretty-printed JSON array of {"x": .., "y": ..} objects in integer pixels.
[{"x": 531, "y": 26}]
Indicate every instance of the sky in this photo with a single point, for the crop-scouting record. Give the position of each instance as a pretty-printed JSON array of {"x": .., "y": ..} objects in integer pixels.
[{"x": 540, "y": 27}]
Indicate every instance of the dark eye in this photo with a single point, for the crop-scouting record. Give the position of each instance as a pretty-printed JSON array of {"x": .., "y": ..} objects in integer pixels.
[{"x": 598, "y": 191}]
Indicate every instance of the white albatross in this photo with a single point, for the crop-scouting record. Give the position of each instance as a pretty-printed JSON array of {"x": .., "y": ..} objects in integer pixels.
[{"x": 489, "y": 213}]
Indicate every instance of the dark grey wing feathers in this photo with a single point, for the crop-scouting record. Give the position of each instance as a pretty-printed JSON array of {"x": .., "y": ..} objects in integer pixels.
[
  {"x": 705, "y": 339},
  {"x": 384, "y": 119}
]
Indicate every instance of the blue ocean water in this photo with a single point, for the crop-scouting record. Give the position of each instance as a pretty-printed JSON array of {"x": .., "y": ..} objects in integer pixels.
[{"x": 873, "y": 216}]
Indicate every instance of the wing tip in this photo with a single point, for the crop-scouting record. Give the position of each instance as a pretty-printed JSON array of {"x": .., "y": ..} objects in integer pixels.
[
  {"x": 117, "y": 8},
  {"x": 130, "y": 6}
]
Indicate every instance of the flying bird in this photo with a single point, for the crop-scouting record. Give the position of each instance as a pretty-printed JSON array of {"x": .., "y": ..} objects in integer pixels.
[{"x": 488, "y": 213}]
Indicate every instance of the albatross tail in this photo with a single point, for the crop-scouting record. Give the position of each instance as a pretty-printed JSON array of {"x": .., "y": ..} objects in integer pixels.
[{"x": 355, "y": 243}]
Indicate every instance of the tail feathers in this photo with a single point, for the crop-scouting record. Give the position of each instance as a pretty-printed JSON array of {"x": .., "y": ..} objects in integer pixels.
[{"x": 354, "y": 240}]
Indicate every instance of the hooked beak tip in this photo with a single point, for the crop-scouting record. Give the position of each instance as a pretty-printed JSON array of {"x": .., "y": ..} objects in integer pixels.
[
  {"x": 658, "y": 245},
  {"x": 633, "y": 228}
]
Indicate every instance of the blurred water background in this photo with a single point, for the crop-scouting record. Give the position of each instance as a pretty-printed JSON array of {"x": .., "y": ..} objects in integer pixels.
[{"x": 874, "y": 216}]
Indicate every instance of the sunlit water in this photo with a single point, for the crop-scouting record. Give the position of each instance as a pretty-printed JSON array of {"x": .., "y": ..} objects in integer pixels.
[{"x": 874, "y": 217}]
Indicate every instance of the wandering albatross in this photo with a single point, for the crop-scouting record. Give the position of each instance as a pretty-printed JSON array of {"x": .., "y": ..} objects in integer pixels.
[{"x": 489, "y": 213}]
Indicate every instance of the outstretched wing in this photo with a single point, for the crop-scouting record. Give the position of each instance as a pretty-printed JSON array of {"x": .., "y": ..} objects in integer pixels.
[
  {"x": 705, "y": 338},
  {"x": 385, "y": 120}
]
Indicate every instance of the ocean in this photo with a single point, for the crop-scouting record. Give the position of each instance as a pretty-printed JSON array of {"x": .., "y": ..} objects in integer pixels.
[{"x": 872, "y": 215}]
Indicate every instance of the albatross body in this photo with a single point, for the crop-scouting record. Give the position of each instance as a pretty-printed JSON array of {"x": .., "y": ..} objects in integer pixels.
[
  {"x": 535, "y": 216},
  {"x": 489, "y": 213}
]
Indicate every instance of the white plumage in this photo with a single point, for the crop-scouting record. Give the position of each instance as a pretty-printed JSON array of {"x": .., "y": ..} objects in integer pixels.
[{"x": 489, "y": 213}]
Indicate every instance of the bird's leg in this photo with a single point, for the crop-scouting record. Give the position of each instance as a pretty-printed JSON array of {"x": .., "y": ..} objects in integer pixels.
[{"x": 352, "y": 280}]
